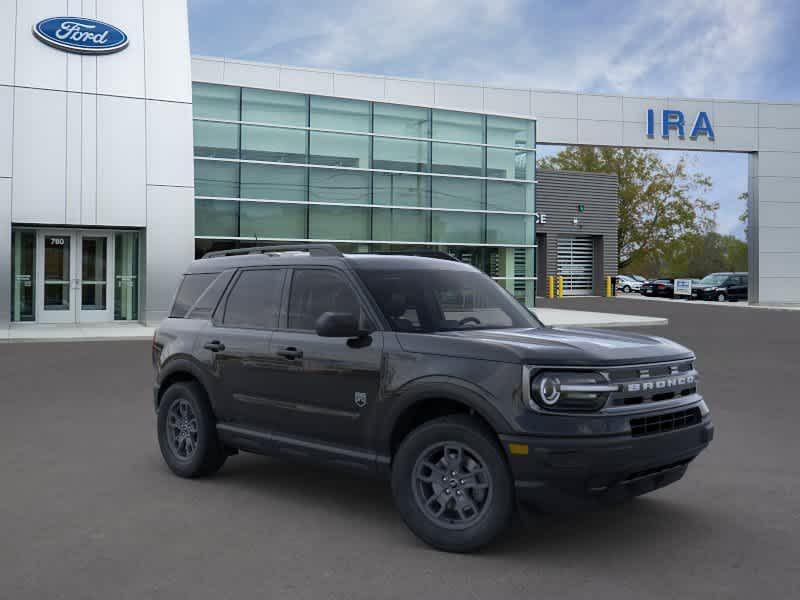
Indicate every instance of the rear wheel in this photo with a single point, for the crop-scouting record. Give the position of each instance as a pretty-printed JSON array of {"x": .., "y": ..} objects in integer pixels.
[
  {"x": 452, "y": 485},
  {"x": 187, "y": 433}
]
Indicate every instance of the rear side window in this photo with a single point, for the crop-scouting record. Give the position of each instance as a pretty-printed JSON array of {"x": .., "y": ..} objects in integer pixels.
[
  {"x": 208, "y": 300},
  {"x": 191, "y": 287},
  {"x": 255, "y": 299}
]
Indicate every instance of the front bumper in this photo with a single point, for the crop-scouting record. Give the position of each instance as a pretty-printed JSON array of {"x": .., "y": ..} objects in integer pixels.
[{"x": 558, "y": 472}]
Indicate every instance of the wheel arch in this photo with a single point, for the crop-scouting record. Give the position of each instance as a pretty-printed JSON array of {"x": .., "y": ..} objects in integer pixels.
[{"x": 182, "y": 370}]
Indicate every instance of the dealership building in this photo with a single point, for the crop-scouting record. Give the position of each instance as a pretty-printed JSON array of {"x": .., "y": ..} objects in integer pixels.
[{"x": 122, "y": 158}]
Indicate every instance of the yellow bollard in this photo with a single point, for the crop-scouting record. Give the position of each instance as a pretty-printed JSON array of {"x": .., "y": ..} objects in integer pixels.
[
  {"x": 551, "y": 286},
  {"x": 560, "y": 286},
  {"x": 609, "y": 288}
]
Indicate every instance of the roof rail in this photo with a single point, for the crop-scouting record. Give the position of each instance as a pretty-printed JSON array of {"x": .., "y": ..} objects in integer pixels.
[
  {"x": 423, "y": 253},
  {"x": 312, "y": 249}
]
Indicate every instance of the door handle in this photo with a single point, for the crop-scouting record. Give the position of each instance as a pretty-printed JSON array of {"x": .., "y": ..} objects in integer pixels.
[
  {"x": 290, "y": 353},
  {"x": 214, "y": 346}
]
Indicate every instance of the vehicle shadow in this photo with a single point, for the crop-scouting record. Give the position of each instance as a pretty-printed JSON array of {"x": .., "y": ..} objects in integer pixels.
[{"x": 629, "y": 528}]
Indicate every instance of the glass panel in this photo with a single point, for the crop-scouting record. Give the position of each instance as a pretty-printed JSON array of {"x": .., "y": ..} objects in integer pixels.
[
  {"x": 459, "y": 160},
  {"x": 284, "y": 108},
  {"x": 508, "y": 229},
  {"x": 457, "y": 227},
  {"x": 126, "y": 276},
  {"x": 216, "y": 217},
  {"x": 501, "y": 195},
  {"x": 333, "y": 185},
  {"x": 56, "y": 272},
  {"x": 218, "y": 140},
  {"x": 400, "y": 225},
  {"x": 457, "y": 126},
  {"x": 509, "y": 164},
  {"x": 400, "y": 190},
  {"x": 23, "y": 265},
  {"x": 273, "y": 144},
  {"x": 409, "y": 121},
  {"x": 506, "y": 131},
  {"x": 337, "y": 113},
  {"x": 215, "y": 101},
  {"x": 272, "y": 220},
  {"x": 339, "y": 150},
  {"x": 399, "y": 155},
  {"x": 457, "y": 193},
  {"x": 339, "y": 223},
  {"x": 213, "y": 178},
  {"x": 93, "y": 273},
  {"x": 255, "y": 299},
  {"x": 272, "y": 182}
]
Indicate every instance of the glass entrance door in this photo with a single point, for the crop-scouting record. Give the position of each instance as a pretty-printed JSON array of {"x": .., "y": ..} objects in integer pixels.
[{"x": 73, "y": 281}]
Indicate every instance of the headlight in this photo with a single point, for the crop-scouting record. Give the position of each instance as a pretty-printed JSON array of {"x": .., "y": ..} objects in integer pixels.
[{"x": 569, "y": 391}]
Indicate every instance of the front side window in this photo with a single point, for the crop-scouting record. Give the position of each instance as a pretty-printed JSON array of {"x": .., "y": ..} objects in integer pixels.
[
  {"x": 317, "y": 291},
  {"x": 430, "y": 300},
  {"x": 254, "y": 302}
]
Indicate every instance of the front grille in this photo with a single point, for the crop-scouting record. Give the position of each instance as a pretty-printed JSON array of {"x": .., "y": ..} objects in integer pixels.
[
  {"x": 642, "y": 384},
  {"x": 667, "y": 422}
]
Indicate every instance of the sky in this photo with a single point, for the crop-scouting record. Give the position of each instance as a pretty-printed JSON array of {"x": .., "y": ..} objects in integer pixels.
[{"x": 706, "y": 48}]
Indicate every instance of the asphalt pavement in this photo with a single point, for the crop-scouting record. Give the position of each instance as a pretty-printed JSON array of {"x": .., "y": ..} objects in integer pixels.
[{"x": 88, "y": 509}]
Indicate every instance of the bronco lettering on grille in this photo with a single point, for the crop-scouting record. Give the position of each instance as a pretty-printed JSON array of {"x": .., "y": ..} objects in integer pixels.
[{"x": 660, "y": 384}]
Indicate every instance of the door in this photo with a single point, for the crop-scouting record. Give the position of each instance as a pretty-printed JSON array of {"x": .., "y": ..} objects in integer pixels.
[
  {"x": 322, "y": 388},
  {"x": 73, "y": 280},
  {"x": 576, "y": 264}
]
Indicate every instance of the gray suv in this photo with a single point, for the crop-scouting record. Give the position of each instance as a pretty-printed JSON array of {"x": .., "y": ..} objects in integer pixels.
[{"x": 423, "y": 371}]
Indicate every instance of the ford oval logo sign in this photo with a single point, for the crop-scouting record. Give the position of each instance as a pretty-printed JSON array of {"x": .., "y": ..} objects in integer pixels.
[{"x": 84, "y": 36}]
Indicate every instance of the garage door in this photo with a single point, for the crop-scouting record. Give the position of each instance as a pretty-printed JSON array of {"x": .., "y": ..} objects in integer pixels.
[{"x": 575, "y": 263}]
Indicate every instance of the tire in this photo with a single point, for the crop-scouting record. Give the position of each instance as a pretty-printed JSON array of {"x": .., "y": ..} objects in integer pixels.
[
  {"x": 200, "y": 452},
  {"x": 627, "y": 289},
  {"x": 721, "y": 297},
  {"x": 470, "y": 516}
]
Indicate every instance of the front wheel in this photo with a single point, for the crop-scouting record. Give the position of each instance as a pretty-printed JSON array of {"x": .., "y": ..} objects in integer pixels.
[
  {"x": 452, "y": 485},
  {"x": 627, "y": 289},
  {"x": 721, "y": 297},
  {"x": 187, "y": 433}
]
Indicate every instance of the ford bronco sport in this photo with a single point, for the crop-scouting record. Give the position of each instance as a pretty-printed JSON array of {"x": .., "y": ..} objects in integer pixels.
[{"x": 421, "y": 370}]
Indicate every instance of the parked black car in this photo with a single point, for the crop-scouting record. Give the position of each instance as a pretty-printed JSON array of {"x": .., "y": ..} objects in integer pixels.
[
  {"x": 663, "y": 288},
  {"x": 422, "y": 371},
  {"x": 721, "y": 287}
]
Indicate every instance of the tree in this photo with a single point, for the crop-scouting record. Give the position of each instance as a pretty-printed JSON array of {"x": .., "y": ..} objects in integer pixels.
[{"x": 658, "y": 202}]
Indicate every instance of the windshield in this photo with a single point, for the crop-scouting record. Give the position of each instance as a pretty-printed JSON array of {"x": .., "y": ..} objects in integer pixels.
[
  {"x": 713, "y": 279},
  {"x": 429, "y": 300}
]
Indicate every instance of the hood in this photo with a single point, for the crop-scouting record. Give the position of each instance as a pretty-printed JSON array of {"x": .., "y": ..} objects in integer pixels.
[{"x": 548, "y": 346}]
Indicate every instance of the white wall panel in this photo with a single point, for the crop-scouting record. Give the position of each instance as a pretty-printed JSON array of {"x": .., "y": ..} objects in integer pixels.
[
  {"x": 169, "y": 246},
  {"x": 557, "y": 131},
  {"x": 409, "y": 91},
  {"x": 735, "y": 114},
  {"x": 169, "y": 144},
  {"x": 778, "y": 190},
  {"x": 466, "y": 97},
  {"x": 206, "y": 69},
  {"x": 121, "y": 165},
  {"x": 778, "y": 115},
  {"x": 306, "y": 81},
  {"x": 555, "y": 104},
  {"x": 250, "y": 75},
  {"x": 779, "y": 214},
  {"x": 635, "y": 134},
  {"x": 783, "y": 264},
  {"x": 778, "y": 164},
  {"x": 780, "y": 140},
  {"x": 167, "y": 61},
  {"x": 8, "y": 19},
  {"x": 40, "y": 118},
  {"x": 37, "y": 64},
  {"x": 779, "y": 239},
  {"x": 74, "y": 162},
  {"x": 122, "y": 73},
  {"x": 89, "y": 160},
  {"x": 600, "y": 133},
  {"x": 599, "y": 108},
  {"x": 512, "y": 102},
  {"x": 358, "y": 86},
  {"x": 6, "y": 129},
  {"x": 776, "y": 290},
  {"x": 634, "y": 109}
]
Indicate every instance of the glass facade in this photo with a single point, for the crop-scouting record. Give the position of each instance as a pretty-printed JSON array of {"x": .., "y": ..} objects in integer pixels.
[{"x": 282, "y": 167}]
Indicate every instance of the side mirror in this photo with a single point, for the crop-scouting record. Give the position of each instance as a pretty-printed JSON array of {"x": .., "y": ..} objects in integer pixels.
[{"x": 336, "y": 324}]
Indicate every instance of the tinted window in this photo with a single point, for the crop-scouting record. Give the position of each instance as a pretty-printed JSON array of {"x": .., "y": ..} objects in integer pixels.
[
  {"x": 207, "y": 302},
  {"x": 254, "y": 301},
  {"x": 429, "y": 300},
  {"x": 316, "y": 291},
  {"x": 191, "y": 287}
]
